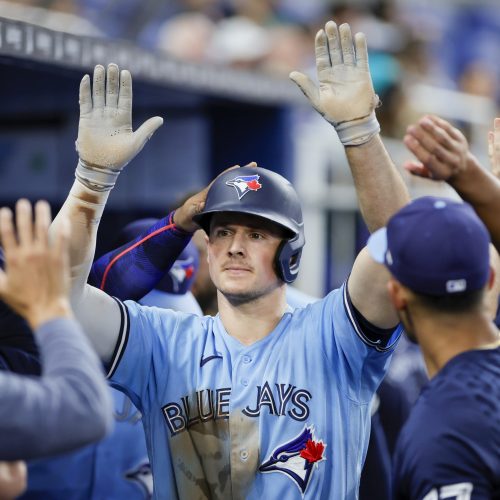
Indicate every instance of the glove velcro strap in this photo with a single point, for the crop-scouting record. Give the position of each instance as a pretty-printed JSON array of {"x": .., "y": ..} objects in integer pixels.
[
  {"x": 96, "y": 178},
  {"x": 357, "y": 132}
]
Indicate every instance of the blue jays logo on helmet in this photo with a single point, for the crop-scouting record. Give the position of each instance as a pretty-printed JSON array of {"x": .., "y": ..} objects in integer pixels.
[
  {"x": 245, "y": 183},
  {"x": 296, "y": 458}
]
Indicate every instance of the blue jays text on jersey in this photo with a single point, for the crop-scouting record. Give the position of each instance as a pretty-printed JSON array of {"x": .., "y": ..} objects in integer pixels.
[
  {"x": 286, "y": 417},
  {"x": 208, "y": 404}
]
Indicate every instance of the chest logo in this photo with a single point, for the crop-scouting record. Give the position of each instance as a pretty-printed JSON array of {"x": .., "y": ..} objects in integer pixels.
[{"x": 297, "y": 458}]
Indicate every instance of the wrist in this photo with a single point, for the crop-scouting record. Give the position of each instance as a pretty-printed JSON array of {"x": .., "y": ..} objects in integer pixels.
[
  {"x": 96, "y": 178},
  {"x": 59, "y": 308},
  {"x": 358, "y": 132},
  {"x": 460, "y": 178},
  {"x": 182, "y": 223}
]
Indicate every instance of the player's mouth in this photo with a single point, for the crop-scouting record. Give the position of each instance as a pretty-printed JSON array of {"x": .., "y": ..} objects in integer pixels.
[{"x": 236, "y": 269}]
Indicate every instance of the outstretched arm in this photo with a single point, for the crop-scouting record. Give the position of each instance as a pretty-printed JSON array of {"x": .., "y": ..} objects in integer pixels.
[
  {"x": 443, "y": 153},
  {"x": 71, "y": 393},
  {"x": 346, "y": 99},
  {"x": 105, "y": 144},
  {"x": 135, "y": 268}
]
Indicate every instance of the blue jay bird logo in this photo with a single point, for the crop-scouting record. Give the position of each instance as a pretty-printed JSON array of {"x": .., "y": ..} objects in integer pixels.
[
  {"x": 181, "y": 271},
  {"x": 245, "y": 183},
  {"x": 296, "y": 458}
]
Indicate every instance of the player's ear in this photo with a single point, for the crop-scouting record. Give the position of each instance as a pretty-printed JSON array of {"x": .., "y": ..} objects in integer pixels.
[
  {"x": 397, "y": 294},
  {"x": 491, "y": 278}
]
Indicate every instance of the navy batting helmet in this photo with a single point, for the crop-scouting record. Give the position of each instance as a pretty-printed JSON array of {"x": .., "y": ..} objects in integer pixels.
[{"x": 261, "y": 192}]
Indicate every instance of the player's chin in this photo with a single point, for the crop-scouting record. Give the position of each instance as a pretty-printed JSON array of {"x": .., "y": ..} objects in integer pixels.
[{"x": 238, "y": 295}]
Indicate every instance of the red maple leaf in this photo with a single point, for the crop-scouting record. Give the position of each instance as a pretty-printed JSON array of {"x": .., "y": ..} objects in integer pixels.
[
  {"x": 313, "y": 451},
  {"x": 254, "y": 185},
  {"x": 189, "y": 272}
]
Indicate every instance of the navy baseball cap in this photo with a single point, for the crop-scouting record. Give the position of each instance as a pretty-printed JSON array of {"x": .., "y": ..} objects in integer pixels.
[{"x": 435, "y": 246}]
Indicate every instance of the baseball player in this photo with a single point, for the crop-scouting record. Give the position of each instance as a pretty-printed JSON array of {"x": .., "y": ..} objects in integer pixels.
[
  {"x": 437, "y": 251},
  {"x": 38, "y": 416},
  {"x": 258, "y": 401},
  {"x": 443, "y": 154},
  {"x": 130, "y": 265}
]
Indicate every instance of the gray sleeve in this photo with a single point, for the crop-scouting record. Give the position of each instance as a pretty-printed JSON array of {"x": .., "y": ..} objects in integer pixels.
[{"x": 69, "y": 406}]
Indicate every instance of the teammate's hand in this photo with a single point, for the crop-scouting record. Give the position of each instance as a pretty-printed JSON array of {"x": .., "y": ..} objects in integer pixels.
[
  {"x": 345, "y": 96},
  {"x": 494, "y": 148},
  {"x": 106, "y": 142},
  {"x": 36, "y": 280},
  {"x": 183, "y": 216},
  {"x": 13, "y": 479},
  {"x": 442, "y": 150}
]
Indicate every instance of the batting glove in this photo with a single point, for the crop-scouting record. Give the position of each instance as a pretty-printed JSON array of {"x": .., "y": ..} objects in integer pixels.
[
  {"x": 345, "y": 96},
  {"x": 106, "y": 142}
]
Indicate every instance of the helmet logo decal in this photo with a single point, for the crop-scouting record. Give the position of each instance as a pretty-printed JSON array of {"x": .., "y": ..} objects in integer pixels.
[{"x": 245, "y": 183}]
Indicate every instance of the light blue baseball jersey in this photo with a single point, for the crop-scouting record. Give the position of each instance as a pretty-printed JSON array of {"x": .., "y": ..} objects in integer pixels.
[{"x": 286, "y": 417}]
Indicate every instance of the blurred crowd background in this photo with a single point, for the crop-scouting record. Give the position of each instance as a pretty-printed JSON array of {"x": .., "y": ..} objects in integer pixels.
[
  {"x": 439, "y": 56},
  {"x": 453, "y": 44}
]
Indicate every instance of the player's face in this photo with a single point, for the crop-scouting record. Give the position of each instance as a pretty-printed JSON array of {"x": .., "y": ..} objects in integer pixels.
[{"x": 241, "y": 251}]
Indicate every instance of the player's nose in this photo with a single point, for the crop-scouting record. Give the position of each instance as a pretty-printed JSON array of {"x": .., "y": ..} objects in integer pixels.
[{"x": 236, "y": 245}]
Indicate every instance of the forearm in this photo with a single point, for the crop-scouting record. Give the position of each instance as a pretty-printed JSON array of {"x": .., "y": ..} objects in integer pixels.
[
  {"x": 68, "y": 407},
  {"x": 380, "y": 188},
  {"x": 83, "y": 208},
  {"x": 134, "y": 269},
  {"x": 481, "y": 189}
]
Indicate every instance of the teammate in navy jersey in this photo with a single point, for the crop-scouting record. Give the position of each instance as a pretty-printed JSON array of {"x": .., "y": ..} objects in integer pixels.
[
  {"x": 437, "y": 251},
  {"x": 258, "y": 401},
  {"x": 38, "y": 416}
]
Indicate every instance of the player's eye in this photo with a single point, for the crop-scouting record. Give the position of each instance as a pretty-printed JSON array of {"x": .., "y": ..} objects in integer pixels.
[
  {"x": 256, "y": 236},
  {"x": 221, "y": 232}
]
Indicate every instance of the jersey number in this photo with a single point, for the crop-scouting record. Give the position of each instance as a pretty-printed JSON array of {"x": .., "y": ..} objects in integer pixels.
[{"x": 459, "y": 491}]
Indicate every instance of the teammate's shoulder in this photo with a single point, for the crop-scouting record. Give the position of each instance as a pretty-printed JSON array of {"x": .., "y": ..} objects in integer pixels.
[
  {"x": 465, "y": 389},
  {"x": 174, "y": 320}
]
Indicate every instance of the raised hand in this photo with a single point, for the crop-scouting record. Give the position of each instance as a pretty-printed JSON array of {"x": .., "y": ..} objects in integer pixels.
[
  {"x": 345, "y": 96},
  {"x": 36, "y": 279},
  {"x": 442, "y": 150},
  {"x": 106, "y": 142}
]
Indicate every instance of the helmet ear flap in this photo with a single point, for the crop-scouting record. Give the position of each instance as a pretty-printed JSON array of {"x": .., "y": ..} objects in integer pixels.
[{"x": 287, "y": 258}]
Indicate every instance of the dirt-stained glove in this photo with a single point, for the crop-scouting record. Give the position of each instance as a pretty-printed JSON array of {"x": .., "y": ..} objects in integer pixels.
[
  {"x": 345, "y": 96},
  {"x": 106, "y": 142}
]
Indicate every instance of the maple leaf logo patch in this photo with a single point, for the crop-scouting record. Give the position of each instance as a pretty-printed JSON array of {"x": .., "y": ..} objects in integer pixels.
[{"x": 297, "y": 458}]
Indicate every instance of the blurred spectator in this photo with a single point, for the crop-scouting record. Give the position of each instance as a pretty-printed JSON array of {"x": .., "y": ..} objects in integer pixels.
[
  {"x": 240, "y": 43},
  {"x": 54, "y": 15},
  {"x": 186, "y": 36},
  {"x": 289, "y": 49}
]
